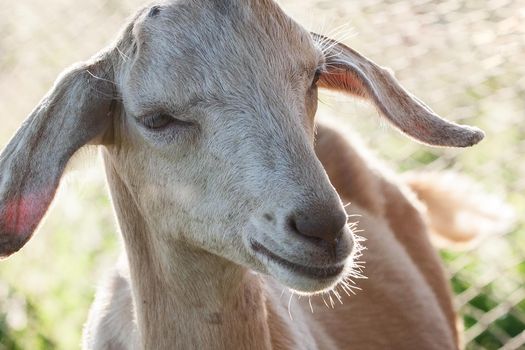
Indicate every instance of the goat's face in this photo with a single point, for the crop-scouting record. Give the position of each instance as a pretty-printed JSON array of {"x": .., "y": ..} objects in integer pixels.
[
  {"x": 217, "y": 135},
  {"x": 212, "y": 140}
]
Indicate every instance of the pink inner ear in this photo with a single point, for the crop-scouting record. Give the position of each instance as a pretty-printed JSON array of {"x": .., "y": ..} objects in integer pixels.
[
  {"x": 22, "y": 215},
  {"x": 343, "y": 81}
]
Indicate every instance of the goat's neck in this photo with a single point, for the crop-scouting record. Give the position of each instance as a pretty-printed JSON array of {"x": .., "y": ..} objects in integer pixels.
[
  {"x": 202, "y": 303},
  {"x": 186, "y": 298}
]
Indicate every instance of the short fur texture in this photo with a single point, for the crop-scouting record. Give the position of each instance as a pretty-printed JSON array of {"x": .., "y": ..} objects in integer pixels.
[{"x": 205, "y": 113}]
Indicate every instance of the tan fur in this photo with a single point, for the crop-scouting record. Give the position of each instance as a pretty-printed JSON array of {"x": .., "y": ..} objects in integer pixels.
[
  {"x": 204, "y": 111},
  {"x": 358, "y": 180},
  {"x": 459, "y": 212}
]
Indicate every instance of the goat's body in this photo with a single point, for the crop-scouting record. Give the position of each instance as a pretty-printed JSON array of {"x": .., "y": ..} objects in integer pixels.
[{"x": 405, "y": 303}]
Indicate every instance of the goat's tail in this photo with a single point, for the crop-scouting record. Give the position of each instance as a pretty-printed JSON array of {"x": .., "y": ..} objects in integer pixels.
[{"x": 457, "y": 211}]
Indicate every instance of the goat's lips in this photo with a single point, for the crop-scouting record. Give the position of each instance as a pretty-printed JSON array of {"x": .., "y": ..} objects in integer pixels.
[{"x": 307, "y": 271}]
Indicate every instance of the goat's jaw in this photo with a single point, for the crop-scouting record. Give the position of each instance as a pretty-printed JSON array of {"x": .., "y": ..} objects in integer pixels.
[{"x": 310, "y": 273}]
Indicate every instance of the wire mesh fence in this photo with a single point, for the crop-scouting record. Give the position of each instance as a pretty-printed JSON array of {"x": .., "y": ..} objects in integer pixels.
[{"x": 464, "y": 57}]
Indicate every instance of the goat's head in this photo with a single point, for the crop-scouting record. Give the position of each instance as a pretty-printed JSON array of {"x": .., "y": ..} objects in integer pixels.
[{"x": 206, "y": 111}]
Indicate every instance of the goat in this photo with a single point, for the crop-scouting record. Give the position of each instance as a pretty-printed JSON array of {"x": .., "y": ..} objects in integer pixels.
[{"x": 205, "y": 114}]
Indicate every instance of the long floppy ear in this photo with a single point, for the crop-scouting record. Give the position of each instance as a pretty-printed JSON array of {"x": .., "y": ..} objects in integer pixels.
[
  {"x": 75, "y": 112},
  {"x": 350, "y": 72}
]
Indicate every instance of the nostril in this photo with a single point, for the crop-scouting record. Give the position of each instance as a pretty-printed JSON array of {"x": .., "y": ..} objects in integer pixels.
[
  {"x": 269, "y": 217},
  {"x": 292, "y": 226},
  {"x": 326, "y": 225}
]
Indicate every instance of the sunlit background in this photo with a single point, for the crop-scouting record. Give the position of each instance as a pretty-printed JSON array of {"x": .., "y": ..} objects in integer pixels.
[{"x": 465, "y": 58}]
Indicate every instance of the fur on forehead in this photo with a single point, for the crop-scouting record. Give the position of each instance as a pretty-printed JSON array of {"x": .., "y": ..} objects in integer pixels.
[
  {"x": 218, "y": 30},
  {"x": 214, "y": 44}
]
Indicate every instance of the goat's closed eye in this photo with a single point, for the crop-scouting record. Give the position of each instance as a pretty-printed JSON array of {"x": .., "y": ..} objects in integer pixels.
[{"x": 158, "y": 122}]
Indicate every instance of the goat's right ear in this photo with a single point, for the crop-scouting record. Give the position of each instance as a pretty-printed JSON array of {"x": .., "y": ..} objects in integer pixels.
[{"x": 75, "y": 112}]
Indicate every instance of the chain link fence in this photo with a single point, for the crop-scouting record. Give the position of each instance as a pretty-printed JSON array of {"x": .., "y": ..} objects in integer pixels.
[{"x": 465, "y": 58}]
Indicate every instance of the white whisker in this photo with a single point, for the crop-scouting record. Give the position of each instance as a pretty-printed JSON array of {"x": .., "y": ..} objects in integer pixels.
[{"x": 290, "y": 305}]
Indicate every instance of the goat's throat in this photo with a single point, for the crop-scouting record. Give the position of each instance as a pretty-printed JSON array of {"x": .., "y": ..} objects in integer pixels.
[
  {"x": 204, "y": 303},
  {"x": 184, "y": 297}
]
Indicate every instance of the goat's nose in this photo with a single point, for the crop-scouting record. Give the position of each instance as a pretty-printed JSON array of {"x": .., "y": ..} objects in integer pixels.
[{"x": 319, "y": 223}]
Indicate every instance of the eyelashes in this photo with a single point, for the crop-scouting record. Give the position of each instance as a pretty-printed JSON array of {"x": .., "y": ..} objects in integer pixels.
[
  {"x": 162, "y": 121},
  {"x": 162, "y": 129},
  {"x": 157, "y": 122}
]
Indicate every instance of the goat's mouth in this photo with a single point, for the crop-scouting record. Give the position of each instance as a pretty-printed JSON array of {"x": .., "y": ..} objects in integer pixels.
[{"x": 318, "y": 273}]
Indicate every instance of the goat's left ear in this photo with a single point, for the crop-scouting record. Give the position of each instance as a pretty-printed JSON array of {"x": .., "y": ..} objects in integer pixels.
[
  {"x": 348, "y": 71},
  {"x": 75, "y": 112}
]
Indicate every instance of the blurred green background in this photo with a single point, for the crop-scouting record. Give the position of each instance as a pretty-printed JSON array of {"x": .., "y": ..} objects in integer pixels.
[{"x": 465, "y": 58}]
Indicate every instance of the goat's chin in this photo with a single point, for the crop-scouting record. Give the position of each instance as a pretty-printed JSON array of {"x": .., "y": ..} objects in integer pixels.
[
  {"x": 303, "y": 284},
  {"x": 303, "y": 272},
  {"x": 304, "y": 279}
]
